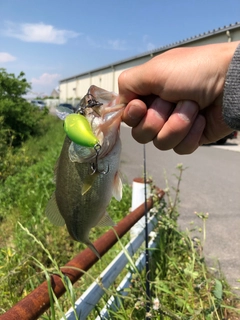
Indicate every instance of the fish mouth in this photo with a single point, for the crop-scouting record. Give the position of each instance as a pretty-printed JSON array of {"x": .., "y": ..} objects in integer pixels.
[
  {"x": 99, "y": 107},
  {"x": 88, "y": 101}
]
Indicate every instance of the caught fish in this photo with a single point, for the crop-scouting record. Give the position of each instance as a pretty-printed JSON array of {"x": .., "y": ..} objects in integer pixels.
[{"x": 86, "y": 172}]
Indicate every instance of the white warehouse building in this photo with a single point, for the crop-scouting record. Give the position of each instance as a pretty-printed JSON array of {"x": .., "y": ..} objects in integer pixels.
[{"x": 106, "y": 77}]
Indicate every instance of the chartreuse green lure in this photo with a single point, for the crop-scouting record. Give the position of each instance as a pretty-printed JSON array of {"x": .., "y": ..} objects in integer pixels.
[{"x": 79, "y": 130}]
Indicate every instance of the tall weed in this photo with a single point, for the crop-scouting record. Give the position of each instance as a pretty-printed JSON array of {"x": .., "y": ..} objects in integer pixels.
[
  {"x": 23, "y": 198},
  {"x": 181, "y": 285}
]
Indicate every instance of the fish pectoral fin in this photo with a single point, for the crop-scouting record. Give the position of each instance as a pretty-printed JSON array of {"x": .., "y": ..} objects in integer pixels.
[
  {"x": 106, "y": 221},
  {"x": 53, "y": 213},
  {"x": 117, "y": 187},
  {"x": 88, "y": 182}
]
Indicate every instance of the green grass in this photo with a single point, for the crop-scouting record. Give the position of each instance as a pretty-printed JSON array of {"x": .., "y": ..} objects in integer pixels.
[
  {"x": 23, "y": 198},
  {"x": 182, "y": 287}
]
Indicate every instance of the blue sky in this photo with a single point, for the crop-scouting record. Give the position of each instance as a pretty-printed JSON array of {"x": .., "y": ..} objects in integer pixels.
[{"x": 50, "y": 40}]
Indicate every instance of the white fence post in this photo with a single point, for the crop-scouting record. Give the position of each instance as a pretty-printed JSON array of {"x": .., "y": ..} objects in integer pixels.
[
  {"x": 138, "y": 197},
  {"x": 113, "y": 303},
  {"x": 93, "y": 294}
]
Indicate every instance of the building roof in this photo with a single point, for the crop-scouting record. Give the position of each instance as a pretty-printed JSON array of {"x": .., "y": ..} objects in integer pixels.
[{"x": 160, "y": 49}]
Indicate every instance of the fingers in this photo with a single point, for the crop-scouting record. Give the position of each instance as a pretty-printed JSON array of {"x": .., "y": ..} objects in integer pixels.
[
  {"x": 169, "y": 126},
  {"x": 134, "y": 112},
  {"x": 193, "y": 139},
  {"x": 177, "y": 126},
  {"x": 153, "y": 121},
  {"x": 179, "y": 76}
]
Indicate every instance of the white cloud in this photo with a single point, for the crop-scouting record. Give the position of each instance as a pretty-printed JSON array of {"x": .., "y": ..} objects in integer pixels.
[
  {"x": 6, "y": 57},
  {"x": 46, "y": 79},
  {"x": 109, "y": 44},
  {"x": 117, "y": 44},
  {"x": 45, "y": 83},
  {"x": 38, "y": 32},
  {"x": 148, "y": 44},
  {"x": 92, "y": 42}
]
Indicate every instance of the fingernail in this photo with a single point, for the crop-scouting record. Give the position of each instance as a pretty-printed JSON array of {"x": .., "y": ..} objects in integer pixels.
[
  {"x": 135, "y": 113},
  {"x": 187, "y": 110}
]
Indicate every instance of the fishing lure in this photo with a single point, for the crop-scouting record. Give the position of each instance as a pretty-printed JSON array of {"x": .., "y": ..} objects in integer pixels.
[{"x": 79, "y": 130}]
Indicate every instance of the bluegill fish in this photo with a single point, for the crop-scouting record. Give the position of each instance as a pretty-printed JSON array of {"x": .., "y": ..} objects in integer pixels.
[{"x": 87, "y": 177}]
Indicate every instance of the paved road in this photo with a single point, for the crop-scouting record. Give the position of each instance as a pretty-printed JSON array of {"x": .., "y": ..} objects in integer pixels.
[{"x": 211, "y": 183}]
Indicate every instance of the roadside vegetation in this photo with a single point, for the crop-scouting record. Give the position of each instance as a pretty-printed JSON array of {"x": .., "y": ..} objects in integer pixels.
[{"x": 182, "y": 287}]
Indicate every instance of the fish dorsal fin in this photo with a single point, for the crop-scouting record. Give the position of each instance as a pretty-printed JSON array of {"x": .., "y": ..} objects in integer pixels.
[
  {"x": 53, "y": 213},
  {"x": 117, "y": 187},
  {"x": 106, "y": 221}
]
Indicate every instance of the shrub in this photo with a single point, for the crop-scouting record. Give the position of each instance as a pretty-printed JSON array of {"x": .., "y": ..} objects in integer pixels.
[{"x": 18, "y": 118}]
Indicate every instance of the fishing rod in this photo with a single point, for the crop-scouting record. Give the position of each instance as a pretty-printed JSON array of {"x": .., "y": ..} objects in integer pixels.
[{"x": 148, "y": 293}]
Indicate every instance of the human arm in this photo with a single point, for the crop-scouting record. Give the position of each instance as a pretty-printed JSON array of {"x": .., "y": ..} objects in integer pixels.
[{"x": 176, "y": 98}]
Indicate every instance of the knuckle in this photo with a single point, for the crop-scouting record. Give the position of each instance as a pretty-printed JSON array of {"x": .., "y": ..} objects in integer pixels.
[{"x": 122, "y": 77}]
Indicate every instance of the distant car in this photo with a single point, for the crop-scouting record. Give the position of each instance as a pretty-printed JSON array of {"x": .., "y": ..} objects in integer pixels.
[
  {"x": 232, "y": 135},
  {"x": 38, "y": 103},
  {"x": 67, "y": 105}
]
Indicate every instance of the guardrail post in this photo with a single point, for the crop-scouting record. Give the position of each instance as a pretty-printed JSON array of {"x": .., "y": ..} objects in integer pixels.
[
  {"x": 138, "y": 197},
  {"x": 37, "y": 302}
]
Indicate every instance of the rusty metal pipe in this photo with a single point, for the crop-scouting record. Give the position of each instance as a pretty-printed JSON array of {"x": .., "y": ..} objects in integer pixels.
[{"x": 37, "y": 302}]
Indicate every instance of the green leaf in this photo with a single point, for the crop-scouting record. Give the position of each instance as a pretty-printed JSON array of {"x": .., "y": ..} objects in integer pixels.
[{"x": 218, "y": 290}]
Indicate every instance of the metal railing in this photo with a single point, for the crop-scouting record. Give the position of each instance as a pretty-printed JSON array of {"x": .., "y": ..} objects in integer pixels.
[
  {"x": 87, "y": 302},
  {"x": 38, "y": 301}
]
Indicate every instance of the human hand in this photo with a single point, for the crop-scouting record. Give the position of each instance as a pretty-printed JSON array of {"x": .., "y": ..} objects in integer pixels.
[{"x": 175, "y": 99}]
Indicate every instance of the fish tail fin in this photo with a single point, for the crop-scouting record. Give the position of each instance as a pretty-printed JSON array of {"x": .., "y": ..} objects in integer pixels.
[{"x": 91, "y": 246}]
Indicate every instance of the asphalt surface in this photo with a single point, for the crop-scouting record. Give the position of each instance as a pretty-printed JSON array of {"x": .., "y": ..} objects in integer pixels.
[{"x": 210, "y": 184}]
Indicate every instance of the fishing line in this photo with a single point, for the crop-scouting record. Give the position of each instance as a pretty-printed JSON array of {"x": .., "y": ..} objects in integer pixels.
[{"x": 148, "y": 294}]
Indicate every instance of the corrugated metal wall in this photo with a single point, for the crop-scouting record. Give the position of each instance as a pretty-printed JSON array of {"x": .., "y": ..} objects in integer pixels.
[{"x": 107, "y": 77}]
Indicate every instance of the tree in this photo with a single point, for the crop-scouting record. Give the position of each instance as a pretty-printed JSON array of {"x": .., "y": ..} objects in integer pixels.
[
  {"x": 18, "y": 118},
  {"x": 12, "y": 87}
]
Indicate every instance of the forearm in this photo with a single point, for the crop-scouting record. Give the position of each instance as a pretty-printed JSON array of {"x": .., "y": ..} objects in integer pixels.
[{"x": 231, "y": 94}]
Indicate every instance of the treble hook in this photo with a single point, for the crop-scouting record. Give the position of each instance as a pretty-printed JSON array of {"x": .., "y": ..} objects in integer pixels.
[{"x": 94, "y": 166}]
